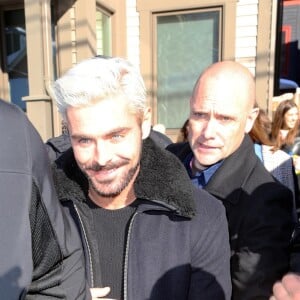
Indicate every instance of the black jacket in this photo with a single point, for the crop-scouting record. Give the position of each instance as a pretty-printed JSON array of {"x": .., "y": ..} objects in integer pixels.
[
  {"x": 56, "y": 146},
  {"x": 260, "y": 216},
  {"x": 41, "y": 254},
  {"x": 177, "y": 244}
]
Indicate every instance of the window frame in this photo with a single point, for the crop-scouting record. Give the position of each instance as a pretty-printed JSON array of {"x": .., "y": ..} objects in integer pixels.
[
  {"x": 109, "y": 15},
  {"x": 155, "y": 16},
  {"x": 117, "y": 11},
  {"x": 4, "y": 76},
  {"x": 147, "y": 10}
]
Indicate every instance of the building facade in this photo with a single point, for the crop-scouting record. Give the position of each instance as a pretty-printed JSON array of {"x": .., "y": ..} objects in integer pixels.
[{"x": 170, "y": 41}]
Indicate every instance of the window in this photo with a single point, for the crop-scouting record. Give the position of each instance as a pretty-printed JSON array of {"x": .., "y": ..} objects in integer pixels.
[
  {"x": 178, "y": 39},
  {"x": 103, "y": 32},
  {"x": 289, "y": 54},
  {"x": 16, "y": 55},
  {"x": 187, "y": 43}
]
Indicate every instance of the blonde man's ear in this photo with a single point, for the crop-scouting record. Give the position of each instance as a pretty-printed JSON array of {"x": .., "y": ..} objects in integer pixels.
[{"x": 146, "y": 123}]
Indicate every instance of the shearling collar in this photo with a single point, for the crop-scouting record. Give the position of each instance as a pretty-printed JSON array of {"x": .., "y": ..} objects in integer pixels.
[{"x": 162, "y": 179}]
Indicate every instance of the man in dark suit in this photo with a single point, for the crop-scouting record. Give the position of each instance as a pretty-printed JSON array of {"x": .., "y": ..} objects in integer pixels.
[{"x": 220, "y": 158}]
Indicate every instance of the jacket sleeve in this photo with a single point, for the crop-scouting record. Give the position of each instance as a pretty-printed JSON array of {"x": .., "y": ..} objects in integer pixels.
[
  {"x": 210, "y": 277},
  {"x": 58, "y": 261},
  {"x": 261, "y": 246},
  {"x": 295, "y": 250}
]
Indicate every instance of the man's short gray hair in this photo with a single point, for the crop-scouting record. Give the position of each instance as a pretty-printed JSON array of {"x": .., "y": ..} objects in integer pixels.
[{"x": 99, "y": 78}]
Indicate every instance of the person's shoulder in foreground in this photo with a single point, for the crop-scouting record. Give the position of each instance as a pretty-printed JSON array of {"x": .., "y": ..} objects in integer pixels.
[
  {"x": 57, "y": 145},
  {"x": 41, "y": 252},
  {"x": 160, "y": 138}
]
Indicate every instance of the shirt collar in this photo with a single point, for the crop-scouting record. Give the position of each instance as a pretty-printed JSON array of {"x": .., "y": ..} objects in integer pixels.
[{"x": 207, "y": 173}]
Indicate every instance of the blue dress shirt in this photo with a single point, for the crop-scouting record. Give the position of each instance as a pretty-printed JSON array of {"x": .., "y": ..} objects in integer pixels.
[{"x": 200, "y": 178}]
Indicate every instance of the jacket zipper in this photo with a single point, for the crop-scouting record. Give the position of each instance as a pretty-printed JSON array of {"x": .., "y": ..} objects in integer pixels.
[
  {"x": 126, "y": 257},
  {"x": 87, "y": 246}
]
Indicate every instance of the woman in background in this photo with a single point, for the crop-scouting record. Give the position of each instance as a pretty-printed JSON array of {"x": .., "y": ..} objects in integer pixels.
[
  {"x": 285, "y": 127},
  {"x": 276, "y": 161}
]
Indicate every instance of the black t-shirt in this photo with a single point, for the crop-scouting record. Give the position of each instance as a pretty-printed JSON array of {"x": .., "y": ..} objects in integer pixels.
[{"x": 111, "y": 227}]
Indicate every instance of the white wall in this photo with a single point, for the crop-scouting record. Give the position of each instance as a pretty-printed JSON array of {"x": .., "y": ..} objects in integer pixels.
[
  {"x": 133, "y": 39},
  {"x": 246, "y": 33}
]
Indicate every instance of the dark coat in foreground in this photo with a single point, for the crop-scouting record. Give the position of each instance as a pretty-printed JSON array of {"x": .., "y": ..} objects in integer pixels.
[
  {"x": 177, "y": 244},
  {"x": 260, "y": 216},
  {"x": 41, "y": 253}
]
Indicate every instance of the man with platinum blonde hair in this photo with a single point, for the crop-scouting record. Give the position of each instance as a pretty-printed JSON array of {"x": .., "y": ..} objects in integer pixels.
[{"x": 147, "y": 233}]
